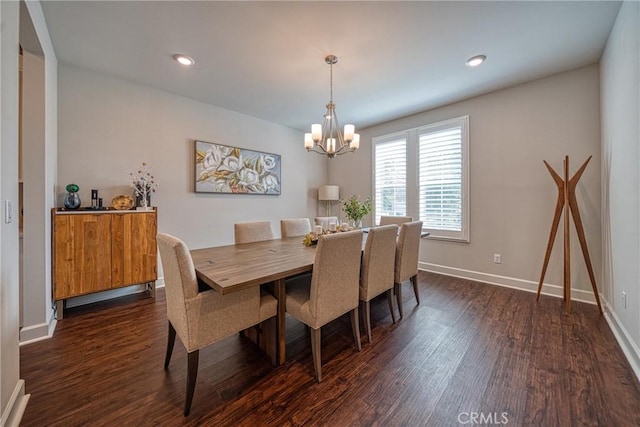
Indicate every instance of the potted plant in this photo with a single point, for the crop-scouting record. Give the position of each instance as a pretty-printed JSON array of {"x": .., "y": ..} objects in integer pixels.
[{"x": 356, "y": 210}]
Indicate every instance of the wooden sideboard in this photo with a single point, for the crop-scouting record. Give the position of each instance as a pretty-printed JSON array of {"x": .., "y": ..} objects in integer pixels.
[{"x": 95, "y": 251}]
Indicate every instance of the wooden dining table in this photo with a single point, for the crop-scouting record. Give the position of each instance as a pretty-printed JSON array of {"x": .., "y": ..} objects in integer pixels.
[
  {"x": 232, "y": 268},
  {"x": 236, "y": 267}
]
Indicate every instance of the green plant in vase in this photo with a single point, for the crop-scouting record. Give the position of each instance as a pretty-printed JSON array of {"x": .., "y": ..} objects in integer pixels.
[{"x": 355, "y": 210}]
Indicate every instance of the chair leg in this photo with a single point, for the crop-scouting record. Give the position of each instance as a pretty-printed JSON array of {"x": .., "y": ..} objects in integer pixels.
[
  {"x": 192, "y": 373},
  {"x": 171, "y": 340},
  {"x": 367, "y": 318},
  {"x": 355, "y": 325},
  {"x": 315, "y": 350},
  {"x": 414, "y": 280},
  {"x": 268, "y": 340},
  {"x": 390, "y": 301},
  {"x": 398, "y": 289},
  {"x": 258, "y": 334}
]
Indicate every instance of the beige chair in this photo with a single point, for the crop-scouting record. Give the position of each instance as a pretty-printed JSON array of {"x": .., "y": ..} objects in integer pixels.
[
  {"x": 294, "y": 227},
  {"x": 407, "y": 259},
  {"x": 377, "y": 272},
  {"x": 202, "y": 318},
  {"x": 333, "y": 290},
  {"x": 398, "y": 220},
  {"x": 324, "y": 221},
  {"x": 247, "y": 232}
]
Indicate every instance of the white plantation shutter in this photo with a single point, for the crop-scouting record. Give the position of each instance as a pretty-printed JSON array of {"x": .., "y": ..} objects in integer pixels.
[
  {"x": 423, "y": 173},
  {"x": 440, "y": 179},
  {"x": 390, "y": 176}
]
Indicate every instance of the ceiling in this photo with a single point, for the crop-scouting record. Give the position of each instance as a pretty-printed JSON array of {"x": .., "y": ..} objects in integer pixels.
[{"x": 266, "y": 59}]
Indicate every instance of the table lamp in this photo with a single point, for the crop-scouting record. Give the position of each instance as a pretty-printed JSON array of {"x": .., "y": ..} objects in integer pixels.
[{"x": 329, "y": 193}]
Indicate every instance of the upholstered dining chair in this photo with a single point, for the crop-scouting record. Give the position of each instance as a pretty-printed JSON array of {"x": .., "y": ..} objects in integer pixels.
[
  {"x": 247, "y": 232},
  {"x": 332, "y": 291},
  {"x": 294, "y": 227},
  {"x": 202, "y": 318},
  {"x": 377, "y": 271},
  {"x": 324, "y": 221},
  {"x": 406, "y": 267},
  {"x": 399, "y": 220}
]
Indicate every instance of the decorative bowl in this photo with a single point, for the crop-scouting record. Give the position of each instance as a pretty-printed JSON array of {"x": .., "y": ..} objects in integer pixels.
[{"x": 122, "y": 202}]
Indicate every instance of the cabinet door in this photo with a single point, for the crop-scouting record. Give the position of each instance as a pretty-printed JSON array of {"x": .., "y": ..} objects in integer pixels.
[
  {"x": 134, "y": 248},
  {"x": 82, "y": 254}
]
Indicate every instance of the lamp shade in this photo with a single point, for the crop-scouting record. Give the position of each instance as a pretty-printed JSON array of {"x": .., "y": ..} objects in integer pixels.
[{"x": 329, "y": 192}]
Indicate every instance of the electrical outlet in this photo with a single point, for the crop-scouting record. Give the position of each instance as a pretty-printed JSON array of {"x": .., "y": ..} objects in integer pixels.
[
  {"x": 624, "y": 299},
  {"x": 497, "y": 258}
]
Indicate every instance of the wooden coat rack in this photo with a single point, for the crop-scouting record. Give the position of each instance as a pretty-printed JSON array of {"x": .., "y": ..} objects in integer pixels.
[{"x": 567, "y": 201}]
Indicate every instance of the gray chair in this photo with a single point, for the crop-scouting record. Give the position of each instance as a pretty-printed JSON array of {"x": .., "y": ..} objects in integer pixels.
[
  {"x": 202, "y": 318},
  {"x": 333, "y": 290},
  {"x": 398, "y": 220},
  {"x": 247, "y": 232},
  {"x": 377, "y": 272},
  {"x": 294, "y": 227},
  {"x": 407, "y": 252}
]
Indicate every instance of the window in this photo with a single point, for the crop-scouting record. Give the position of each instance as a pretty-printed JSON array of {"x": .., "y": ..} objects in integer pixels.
[
  {"x": 390, "y": 159},
  {"x": 422, "y": 173}
]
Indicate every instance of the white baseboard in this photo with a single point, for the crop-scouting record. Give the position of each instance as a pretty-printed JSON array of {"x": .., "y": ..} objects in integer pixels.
[
  {"x": 509, "y": 282},
  {"x": 42, "y": 331},
  {"x": 13, "y": 412},
  {"x": 628, "y": 346}
]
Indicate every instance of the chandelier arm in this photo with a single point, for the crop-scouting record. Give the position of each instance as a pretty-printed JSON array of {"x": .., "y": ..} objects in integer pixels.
[
  {"x": 315, "y": 150},
  {"x": 338, "y": 130}
]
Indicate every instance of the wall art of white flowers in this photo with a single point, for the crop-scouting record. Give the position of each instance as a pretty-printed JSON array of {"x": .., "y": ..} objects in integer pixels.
[{"x": 224, "y": 169}]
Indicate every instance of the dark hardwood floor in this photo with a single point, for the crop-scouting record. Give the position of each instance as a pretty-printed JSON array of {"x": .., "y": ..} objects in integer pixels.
[{"x": 469, "y": 350}]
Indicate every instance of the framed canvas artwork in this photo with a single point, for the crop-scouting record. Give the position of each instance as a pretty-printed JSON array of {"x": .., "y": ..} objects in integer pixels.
[{"x": 233, "y": 170}]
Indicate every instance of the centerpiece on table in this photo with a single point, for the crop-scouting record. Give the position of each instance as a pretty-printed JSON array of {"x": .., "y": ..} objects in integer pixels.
[
  {"x": 312, "y": 237},
  {"x": 355, "y": 210},
  {"x": 143, "y": 184}
]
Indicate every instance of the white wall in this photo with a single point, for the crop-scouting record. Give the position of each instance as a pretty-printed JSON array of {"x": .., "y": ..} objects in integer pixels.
[
  {"x": 620, "y": 92},
  {"x": 512, "y": 195},
  {"x": 107, "y": 127},
  {"x": 39, "y": 173},
  {"x": 33, "y": 136},
  {"x": 9, "y": 356}
]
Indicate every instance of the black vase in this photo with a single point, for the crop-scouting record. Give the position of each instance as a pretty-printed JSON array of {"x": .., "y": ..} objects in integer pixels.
[
  {"x": 72, "y": 200},
  {"x": 138, "y": 199}
]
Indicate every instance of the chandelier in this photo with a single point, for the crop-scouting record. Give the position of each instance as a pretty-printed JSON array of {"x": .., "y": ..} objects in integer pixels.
[{"x": 327, "y": 138}]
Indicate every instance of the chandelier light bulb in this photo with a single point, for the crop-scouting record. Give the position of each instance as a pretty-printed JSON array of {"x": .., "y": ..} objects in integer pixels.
[
  {"x": 308, "y": 141},
  {"x": 355, "y": 143},
  {"x": 348, "y": 132},
  {"x": 331, "y": 145},
  {"x": 316, "y": 132}
]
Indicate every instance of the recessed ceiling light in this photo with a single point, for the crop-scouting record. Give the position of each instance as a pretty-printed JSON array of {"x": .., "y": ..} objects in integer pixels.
[
  {"x": 474, "y": 61},
  {"x": 184, "y": 59}
]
